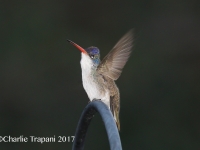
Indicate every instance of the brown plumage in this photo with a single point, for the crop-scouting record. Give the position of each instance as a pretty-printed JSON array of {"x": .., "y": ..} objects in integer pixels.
[
  {"x": 111, "y": 68},
  {"x": 99, "y": 77}
]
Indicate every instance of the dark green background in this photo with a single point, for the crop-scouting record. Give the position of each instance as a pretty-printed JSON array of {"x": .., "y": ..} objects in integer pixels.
[{"x": 41, "y": 91}]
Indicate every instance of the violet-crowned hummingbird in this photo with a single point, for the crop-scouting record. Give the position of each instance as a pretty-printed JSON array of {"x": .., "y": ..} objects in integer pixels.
[{"x": 99, "y": 76}]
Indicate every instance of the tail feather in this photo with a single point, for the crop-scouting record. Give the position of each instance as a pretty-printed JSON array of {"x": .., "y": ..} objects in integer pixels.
[
  {"x": 117, "y": 122},
  {"x": 114, "y": 107},
  {"x": 116, "y": 117}
]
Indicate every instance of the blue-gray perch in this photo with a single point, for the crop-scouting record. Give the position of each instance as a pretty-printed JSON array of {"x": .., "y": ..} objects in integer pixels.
[{"x": 109, "y": 122}]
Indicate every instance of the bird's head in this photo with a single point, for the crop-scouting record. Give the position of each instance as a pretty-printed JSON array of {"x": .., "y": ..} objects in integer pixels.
[{"x": 92, "y": 52}]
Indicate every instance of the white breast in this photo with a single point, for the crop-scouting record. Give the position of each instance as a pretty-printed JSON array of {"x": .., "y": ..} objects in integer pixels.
[{"x": 91, "y": 87}]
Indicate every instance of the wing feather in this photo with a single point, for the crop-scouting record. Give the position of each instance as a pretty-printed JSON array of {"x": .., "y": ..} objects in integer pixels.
[{"x": 114, "y": 61}]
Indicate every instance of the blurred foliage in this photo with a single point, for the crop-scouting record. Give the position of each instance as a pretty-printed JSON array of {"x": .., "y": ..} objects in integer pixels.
[{"x": 41, "y": 93}]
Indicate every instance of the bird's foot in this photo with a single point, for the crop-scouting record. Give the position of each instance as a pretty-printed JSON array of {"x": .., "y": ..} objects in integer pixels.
[{"x": 96, "y": 99}]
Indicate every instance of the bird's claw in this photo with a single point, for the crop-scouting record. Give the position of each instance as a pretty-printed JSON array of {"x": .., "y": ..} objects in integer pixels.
[{"x": 96, "y": 99}]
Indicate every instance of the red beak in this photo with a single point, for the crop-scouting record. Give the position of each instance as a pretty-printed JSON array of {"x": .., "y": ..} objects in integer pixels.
[{"x": 77, "y": 46}]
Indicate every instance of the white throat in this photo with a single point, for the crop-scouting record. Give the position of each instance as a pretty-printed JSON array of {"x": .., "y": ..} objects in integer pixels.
[
  {"x": 86, "y": 63},
  {"x": 90, "y": 85}
]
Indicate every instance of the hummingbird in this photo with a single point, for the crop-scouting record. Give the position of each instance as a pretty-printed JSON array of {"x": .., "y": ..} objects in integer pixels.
[{"x": 99, "y": 77}]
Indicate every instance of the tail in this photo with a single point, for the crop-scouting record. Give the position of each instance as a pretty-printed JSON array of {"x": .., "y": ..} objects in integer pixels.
[
  {"x": 116, "y": 117},
  {"x": 115, "y": 107},
  {"x": 115, "y": 113}
]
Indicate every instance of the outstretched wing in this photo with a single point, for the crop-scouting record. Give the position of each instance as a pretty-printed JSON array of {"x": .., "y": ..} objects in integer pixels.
[{"x": 114, "y": 61}]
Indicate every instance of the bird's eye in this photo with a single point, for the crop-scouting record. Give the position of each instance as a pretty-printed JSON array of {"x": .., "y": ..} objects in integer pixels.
[{"x": 92, "y": 56}]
